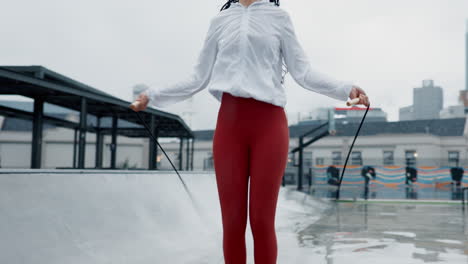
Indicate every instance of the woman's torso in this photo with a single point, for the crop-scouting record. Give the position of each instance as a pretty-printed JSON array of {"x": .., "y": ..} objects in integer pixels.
[{"x": 249, "y": 60}]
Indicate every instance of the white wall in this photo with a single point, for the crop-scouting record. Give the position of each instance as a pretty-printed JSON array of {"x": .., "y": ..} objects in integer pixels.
[{"x": 57, "y": 151}]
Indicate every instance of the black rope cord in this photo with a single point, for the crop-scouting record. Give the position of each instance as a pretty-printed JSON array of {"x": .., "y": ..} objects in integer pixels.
[
  {"x": 349, "y": 152},
  {"x": 154, "y": 138}
]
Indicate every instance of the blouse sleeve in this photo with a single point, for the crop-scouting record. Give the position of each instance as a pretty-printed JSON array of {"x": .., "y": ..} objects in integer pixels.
[
  {"x": 300, "y": 69},
  {"x": 197, "y": 81}
]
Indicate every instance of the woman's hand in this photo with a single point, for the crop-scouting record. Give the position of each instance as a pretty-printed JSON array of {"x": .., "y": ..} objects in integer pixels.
[
  {"x": 140, "y": 103},
  {"x": 357, "y": 92}
]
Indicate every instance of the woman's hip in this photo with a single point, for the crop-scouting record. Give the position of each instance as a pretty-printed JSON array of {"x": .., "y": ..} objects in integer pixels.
[
  {"x": 249, "y": 109},
  {"x": 250, "y": 116}
]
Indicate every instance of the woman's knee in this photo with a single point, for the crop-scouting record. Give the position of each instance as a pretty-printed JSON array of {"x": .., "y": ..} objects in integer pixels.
[
  {"x": 234, "y": 224},
  {"x": 262, "y": 224}
]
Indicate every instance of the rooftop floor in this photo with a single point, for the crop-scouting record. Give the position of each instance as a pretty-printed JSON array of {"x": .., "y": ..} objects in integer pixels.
[
  {"x": 389, "y": 232},
  {"x": 85, "y": 216}
]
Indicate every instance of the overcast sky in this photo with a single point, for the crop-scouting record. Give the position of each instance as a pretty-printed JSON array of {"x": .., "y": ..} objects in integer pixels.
[{"x": 385, "y": 47}]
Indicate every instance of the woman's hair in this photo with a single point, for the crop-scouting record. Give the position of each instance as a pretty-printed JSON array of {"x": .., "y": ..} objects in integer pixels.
[{"x": 229, "y": 2}]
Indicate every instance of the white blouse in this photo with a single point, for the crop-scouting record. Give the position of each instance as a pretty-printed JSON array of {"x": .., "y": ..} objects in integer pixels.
[{"x": 243, "y": 54}]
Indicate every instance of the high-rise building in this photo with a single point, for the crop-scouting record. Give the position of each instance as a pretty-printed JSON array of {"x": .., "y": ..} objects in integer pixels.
[
  {"x": 406, "y": 113},
  {"x": 463, "y": 98},
  {"x": 344, "y": 115},
  {"x": 466, "y": 55},
  {"x": 428, "y": 101},
  {"x": 453, "y": 111}
]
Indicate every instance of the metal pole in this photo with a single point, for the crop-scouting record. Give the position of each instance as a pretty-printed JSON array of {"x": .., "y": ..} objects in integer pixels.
[
  {"x": 82, "y": 133},
  {"x": 180, "y": 152},
  {"x": 300, "y": 169},
  {"x": 75, "y": 137},
  {"x": 310, "y": 177},
  {"x": 114, "y": 141},
  {"x": 99, "y": 144},
  {"x": 36, "y": 148},
  {"x": 187, "y": 160},
  {"x": 466, "y": 58},
  {"x": 152, "y": 145},
  {"x": 192, "y": 154},
  {"x": 156, "y": 134}
]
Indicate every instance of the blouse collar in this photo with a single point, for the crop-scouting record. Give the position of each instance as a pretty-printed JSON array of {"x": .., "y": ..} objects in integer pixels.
[{"x": 252, "y": 4}]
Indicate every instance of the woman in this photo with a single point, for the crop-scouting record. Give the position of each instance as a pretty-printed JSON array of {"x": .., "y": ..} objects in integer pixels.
[{"x": 241, "y": 62}]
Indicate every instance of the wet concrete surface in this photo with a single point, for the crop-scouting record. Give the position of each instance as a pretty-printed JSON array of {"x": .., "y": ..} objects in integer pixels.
[
  {"x": 94, "y": 217},
  {"x": 389, "y": 233}
]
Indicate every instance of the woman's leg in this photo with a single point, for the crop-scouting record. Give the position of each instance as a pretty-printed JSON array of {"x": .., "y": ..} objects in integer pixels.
[
  {"x": 230, "y": 156},
  {"x": 268, "y": 160}
]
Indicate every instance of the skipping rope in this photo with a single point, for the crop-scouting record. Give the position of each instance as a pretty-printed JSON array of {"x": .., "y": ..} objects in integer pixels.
[
  {"x": 188, "y": 191},
  {"x": 349, "y": 152},
  {"x": 197, "y": 208}
]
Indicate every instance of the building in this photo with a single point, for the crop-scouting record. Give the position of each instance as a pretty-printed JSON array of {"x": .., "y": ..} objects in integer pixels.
[
  {"x": 463, "y": 98},
  {"x": 344, "y": 115},
  {"x": 427, "y": 103},
  {"x": 406, "y": 113},
  {"x": 355, "y": 114},
  {"x": 58, "y": 142},
  {"x": 453, "y": 111},
  {"x": 466, "y": 57},
  {"x": 94, "y": 111},
  {"x": 460, "y": 110},
  {"x": 438, "y": 142}
]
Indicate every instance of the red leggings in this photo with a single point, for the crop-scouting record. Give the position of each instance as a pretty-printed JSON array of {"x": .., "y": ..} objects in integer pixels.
[{"x": 251, "y": 139}]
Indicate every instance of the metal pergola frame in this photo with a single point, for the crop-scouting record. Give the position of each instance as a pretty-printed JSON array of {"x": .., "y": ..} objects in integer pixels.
[{"x": 46, "y": 86}]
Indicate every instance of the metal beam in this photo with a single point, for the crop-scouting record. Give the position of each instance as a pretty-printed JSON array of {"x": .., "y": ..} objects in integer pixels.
[
  {"x": 152, "y": 145},
  {"x": 82, "y": 133},
  {"x": 114, "y": 141},
  {"x": 187, "y": 154},
  {"x": 193, "y": 152},
  {"x": 12, "y": 73},
  {"x": 300, "y": 167},
  {"x": 38, "y": 121},
  {"x": 67, "y": 89},
  {"x": 156, "y": 167},
  {"x": 181, "y": 143},
  {"x": 75, "y": 137},
  {"x": 48, "y": 83},
  {"x": 315, "y": 129},
  {"x": 99, "y": 144},
  {"x": 321, "y": 135}
]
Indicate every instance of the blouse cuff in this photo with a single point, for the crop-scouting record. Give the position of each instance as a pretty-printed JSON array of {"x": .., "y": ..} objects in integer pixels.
[
  {"x": 150, "y": 93},
  {"x": 347, "y": 88}
]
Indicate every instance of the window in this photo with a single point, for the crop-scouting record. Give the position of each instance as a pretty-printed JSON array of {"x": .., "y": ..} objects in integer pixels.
[
  {"x": 319, "y": 161},
  {"x": 410, "y": 156},
  {"x": 336, "y": 158},
  {"x": 356, "y": 158},
  {"x": 453, "y": 158},
  {"x": 388, "y": 158}
]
